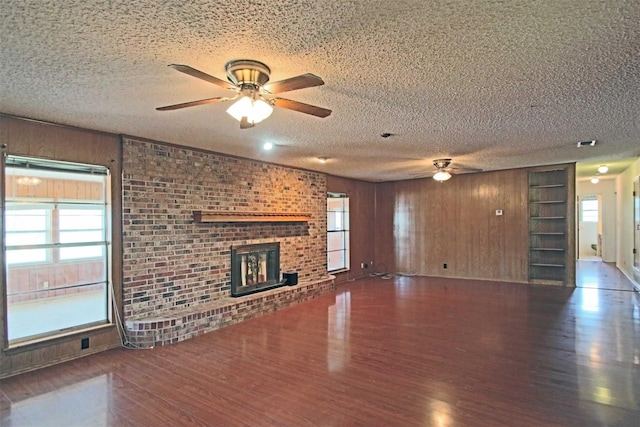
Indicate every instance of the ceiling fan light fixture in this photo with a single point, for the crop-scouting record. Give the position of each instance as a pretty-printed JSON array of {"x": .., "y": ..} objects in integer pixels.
[
  {"x": 255, "y": 110},
  {"x": 441, "y": 176},
  {"x": 28, "y": 180}
]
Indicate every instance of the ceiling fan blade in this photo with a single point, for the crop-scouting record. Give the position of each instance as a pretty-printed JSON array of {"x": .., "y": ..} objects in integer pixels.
[
  {"x": 192, "y": 104},
  {"x": 203, "y": 76},
  {"x": 245, "y": 124},
  {"x": 302, "y": 108},
  {"x": 294, "y": 83}
]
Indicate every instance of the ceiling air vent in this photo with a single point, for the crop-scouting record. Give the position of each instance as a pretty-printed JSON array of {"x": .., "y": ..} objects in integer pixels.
[{"x": 587, "y": 143}]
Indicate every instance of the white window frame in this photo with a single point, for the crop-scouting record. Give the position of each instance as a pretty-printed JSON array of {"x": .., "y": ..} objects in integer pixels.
[
  {"x": 590, "y": 212},
  {"x": 59, "y": 256},
  {"x": 342, "y": 230},
  {"x": 47, "y": 233},
  {"x": 43, "y": 169}
]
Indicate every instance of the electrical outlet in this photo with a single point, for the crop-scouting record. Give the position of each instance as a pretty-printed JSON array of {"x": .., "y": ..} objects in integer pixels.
[
  {"x": 45, "y": 284},
  {"x": 84, "y": 343},
  {"x": 364, "y": 265},
  {"x": 444, "y": 265},
  {"x": 498, "y": 212}
]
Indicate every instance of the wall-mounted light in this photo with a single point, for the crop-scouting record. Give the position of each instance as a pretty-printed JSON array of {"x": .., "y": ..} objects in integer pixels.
[
  {"x": 595, "y": 180},
  {"x": 441, "y": 176},
  {"x": 603, "y": 169}
]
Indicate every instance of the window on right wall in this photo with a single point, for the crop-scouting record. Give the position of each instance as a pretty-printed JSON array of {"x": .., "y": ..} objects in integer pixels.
[{"x": 337, "y": 232}]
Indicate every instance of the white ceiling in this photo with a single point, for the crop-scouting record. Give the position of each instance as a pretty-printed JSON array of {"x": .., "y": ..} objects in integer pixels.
[{"x": 491, "y": 84}]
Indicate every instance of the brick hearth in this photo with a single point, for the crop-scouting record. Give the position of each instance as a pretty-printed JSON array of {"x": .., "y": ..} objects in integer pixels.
[{"x": 187, "y": 323}]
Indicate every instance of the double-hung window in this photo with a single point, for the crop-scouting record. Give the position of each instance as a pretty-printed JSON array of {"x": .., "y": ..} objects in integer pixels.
[
  {"x": 57, "y": 248},
  {"x": 27, "y": 227},
  {"x": 337, "y": 232},
  {"x": 589, "y": 209}
]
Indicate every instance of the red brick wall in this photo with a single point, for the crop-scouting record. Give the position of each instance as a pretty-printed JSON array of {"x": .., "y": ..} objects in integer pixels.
[{"x": 171, "y": 263}]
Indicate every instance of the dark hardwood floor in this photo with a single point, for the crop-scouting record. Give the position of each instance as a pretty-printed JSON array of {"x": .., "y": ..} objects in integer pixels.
[{"x": 401, "y": 352}]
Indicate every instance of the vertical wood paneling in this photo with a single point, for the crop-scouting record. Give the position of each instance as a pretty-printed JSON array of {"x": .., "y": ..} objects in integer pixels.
[
  {"x": 455, "y": 223},
  {"x": 384, "y": 227}
]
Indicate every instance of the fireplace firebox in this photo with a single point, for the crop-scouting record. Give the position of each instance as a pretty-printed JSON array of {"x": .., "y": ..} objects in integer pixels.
[{"x": 255, "y": 268}]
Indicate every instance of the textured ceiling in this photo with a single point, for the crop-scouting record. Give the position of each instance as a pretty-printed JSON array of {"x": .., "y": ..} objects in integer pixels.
[{"x": 491, "y": 84}]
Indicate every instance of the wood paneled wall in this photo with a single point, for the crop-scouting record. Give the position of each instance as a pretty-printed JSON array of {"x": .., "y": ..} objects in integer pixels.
[
  {"x": 55, "y": 189},
  {"x": 422, "y": 225},
  {"x": 36, "y": 139},
  {"x": 362, "y": 224}
]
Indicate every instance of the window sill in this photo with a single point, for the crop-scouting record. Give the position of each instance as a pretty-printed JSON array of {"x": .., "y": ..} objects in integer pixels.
[{"x": 25, "y": 345}]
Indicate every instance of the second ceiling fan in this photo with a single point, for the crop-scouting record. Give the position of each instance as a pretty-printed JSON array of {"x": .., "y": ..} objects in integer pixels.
[
  {"x": 444, "y": 170},
  {"x": 249, "y": 80}
]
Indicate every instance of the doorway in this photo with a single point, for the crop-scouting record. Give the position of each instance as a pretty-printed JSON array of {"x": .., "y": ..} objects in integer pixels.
[
  {"x": 636, "y": 228},
  {"x": 590, "y": 227}
]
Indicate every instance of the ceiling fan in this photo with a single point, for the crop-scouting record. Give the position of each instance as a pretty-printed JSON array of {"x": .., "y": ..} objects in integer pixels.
[
  {"x": 249, "y": 80},
  {"x": 444, "y": 172}
]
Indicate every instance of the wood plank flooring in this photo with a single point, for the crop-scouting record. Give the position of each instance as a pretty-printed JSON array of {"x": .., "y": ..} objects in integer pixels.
[{"x": 407, "y": 351}]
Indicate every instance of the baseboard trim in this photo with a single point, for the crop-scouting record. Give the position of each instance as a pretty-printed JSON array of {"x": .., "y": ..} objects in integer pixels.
[{"x": 636, "y": 285}]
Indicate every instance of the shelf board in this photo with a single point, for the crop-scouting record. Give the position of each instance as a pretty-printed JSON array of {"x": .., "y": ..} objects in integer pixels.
[
  {"x": 537, "y": 264},
  {"x": 547, "y": 233},
  {"x": 548, "y": 249},
  {"x": 547, "y": 186},
  {"x": 546, "y": 217},
  {"x": 545, "y": 281},
  {"x": 546, "y": 201},
  {"x": 219, "y": 216}
]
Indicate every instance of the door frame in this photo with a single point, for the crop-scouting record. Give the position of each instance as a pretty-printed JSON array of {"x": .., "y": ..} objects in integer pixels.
[{"x": 636, "y": 232}]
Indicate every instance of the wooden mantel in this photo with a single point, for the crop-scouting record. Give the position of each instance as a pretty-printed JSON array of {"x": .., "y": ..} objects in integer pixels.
[{"x": 219, "y": 216}]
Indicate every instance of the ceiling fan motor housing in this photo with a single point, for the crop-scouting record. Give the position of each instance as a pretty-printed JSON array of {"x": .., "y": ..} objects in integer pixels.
[
  {"x": 243, "y": 72},
  {"x": 442, "y": 163}
]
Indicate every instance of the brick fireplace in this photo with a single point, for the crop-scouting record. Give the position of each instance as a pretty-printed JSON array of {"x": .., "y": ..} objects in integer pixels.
[{"x": 177, "y": 272}]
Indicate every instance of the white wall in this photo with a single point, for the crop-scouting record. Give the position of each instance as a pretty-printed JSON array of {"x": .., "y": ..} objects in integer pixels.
[
  {"x": 624, "y": 190},
  {"x": 606, "y": 188},
  {"x": 587, "y": 236}
]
